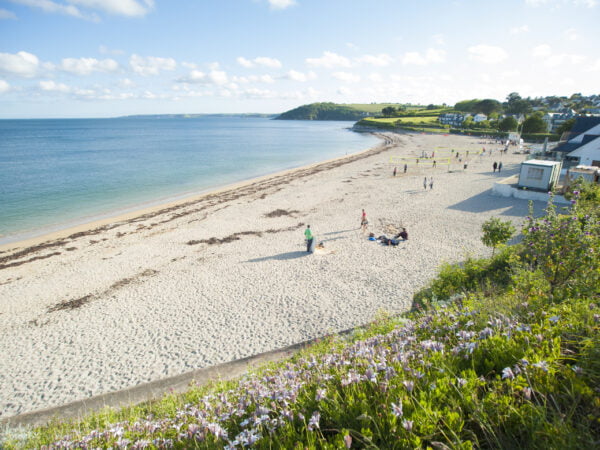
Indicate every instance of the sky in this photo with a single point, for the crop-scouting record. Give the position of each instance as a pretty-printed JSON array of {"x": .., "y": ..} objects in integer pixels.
[{"x": 108, "y": 58}]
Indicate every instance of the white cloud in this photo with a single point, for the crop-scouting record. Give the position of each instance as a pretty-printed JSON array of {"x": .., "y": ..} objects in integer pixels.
[
  {"x": 487, "y": 54},
  {"x": 571, "y": 34},
  {"x": 431, "y": 56},
  {"x": 4, "y": 87},
  {"x": 126, "y": 83},
  {"x": 380, "y": 60},
  {"x": 4, "y": 14},
  {"x": 217, "y": 77},
  {"x": 346, "y": 77},
  {"x": 541, "y": 51},
  {"x": 52, "y": 86},
  {"x": 50, "y": 6},
  {"x": 344, "y": 91},
  {"x": 85, "y": 66},
  {"x": 563, "y": 59},
  {"x": 519, "y": 30},
  {"x": 244, "y": 62},
  {"x": 129, "y": 8},
  {"x": 281, "y": 4},
  {"x": 264, "y": 61},
  {"x": 267, "y": 62},
  {"x": 329, "y": 60},
  {"x": 300, "y": 76},
  {"x": 375, "y": 78},
  {"x": 21, "y": 64},
  {"x": 151, "y": 65}
]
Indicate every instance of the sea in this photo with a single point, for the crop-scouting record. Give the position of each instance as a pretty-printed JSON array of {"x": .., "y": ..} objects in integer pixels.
[{"x": 58, "y": 173}]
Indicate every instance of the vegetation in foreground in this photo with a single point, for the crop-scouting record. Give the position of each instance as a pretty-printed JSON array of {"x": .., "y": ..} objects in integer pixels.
[{"x": 498, "y": 353}]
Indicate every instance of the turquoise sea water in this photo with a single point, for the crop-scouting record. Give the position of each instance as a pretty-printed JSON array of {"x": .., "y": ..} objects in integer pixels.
[{"x": 58, "y": 173}]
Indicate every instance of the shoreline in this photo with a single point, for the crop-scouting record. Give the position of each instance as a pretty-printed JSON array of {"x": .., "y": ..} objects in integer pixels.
[
  {"x": 227, "y": 276},
  {"x": 161, "y": 206}
]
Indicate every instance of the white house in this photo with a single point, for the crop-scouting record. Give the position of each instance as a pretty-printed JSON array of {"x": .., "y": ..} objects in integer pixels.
[
  {"x": 588, "y": 154},
  {"x": 539, "y": 174},
  {"x": 479, "y": 118}
]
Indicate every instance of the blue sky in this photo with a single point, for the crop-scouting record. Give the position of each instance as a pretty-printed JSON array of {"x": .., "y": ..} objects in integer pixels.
[{"x": 105, "y": 58}]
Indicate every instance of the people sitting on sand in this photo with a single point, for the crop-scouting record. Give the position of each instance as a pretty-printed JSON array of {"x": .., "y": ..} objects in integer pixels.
[{"x": 402, "y": 235}]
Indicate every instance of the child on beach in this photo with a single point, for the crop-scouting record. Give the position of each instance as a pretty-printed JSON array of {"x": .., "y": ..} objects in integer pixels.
[{"x": 363, "y": 221}]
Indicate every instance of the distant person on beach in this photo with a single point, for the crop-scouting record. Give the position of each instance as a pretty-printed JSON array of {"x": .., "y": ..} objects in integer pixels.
[
  {"x": 434, "y": 163},
  {"x": 495, "y": 166},
  {"x": 395, "y": 171},
  {"x": 405, "y": 167},
  {"x": 431, "y": 183},
  {"x": 363, "y": 221},
  {"x": 309, "y": 238},
  {"x": 425, "y": 183},
  {"x": 499, "y": 166},
  {"x": 403, "y": 234}
]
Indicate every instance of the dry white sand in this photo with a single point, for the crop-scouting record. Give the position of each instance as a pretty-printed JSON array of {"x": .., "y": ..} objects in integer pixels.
[{"x": 145, "y": 298}]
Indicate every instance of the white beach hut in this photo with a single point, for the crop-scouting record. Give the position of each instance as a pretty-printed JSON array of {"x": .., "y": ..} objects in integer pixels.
[{"x": 539, "y": 174}]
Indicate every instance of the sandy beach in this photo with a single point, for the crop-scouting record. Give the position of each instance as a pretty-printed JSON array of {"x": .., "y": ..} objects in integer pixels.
[{"x": 226, "y": 275}]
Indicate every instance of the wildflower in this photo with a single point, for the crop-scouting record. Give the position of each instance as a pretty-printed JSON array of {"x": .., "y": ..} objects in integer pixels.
[
  {"x": 527, "y": 392},
  {"x": 507, "y": 373},
  {"x": 314, "y": 421},
  {"x": 554, "y": 319},
  {"x": 408, "y": 425},
  {"x": 321, "y": 393},
  {"x": 397, "y": 409},
  {"x": 578, "y": 370},
  {"x": 348, "y": 441},
  {"x": 409, "y": 385},
  {"x": 461, "y": 381},
  {"x": 541, "y": 365},
  {"x": 371, "y": 376},
  {"x": 486, "y": 333}
]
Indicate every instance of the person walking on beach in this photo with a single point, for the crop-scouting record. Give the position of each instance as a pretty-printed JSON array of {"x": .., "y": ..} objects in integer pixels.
[
  {"x": 309, "y": 238},
  {"x": 395, "y": 171},
  {"x": 499, "y": 166},
  {"x": 363, "y": 221},
  {"x": 405, "y": 167},
  {"x": 431, "y": 183},
  {"x": 425, "y": 183},
  {"x": 434, "y": 163},
  {"x": 495, "y": 166}
]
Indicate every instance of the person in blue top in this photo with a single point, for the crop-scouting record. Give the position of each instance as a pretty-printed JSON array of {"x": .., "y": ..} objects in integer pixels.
[{"x": 309, "y": 238}]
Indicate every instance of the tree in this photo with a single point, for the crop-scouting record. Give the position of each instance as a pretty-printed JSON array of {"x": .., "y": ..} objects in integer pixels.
[
  {"x": 535, "y": 124},
  {"x": 466, "y": 105},
  {"x": 516, "y": 105},
  {"x": 388, "y": 111},
  {"x": 565, "y": 126},
  {"x": 496, "y": 232},
  {"x": 487, "y": 106},
  {"x": 508, "y": 124}
]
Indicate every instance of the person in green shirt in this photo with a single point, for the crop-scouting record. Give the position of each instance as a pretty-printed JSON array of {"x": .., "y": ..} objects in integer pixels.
[{"x": 309, "y": 238}]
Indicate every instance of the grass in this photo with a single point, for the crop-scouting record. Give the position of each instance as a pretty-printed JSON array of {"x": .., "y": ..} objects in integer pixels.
[{"x": 498, "y": 353}]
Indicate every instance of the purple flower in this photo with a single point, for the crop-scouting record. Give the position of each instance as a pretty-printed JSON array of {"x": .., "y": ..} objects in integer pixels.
[
  {"x": 408, "y": 425},
  {"x": 314, "y": 421},
  {"x": 527, "y": 392},
  {"x": 507, "y": 373},
  {"x": 397, "y": 409},
  {"x": 461, "y": 381},
  {"x": 320, "y": 395},
  {"x": 409, "y": 385}
]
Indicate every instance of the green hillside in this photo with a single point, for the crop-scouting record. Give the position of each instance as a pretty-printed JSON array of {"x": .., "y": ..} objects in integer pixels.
[{"x": 323, "y": 111}]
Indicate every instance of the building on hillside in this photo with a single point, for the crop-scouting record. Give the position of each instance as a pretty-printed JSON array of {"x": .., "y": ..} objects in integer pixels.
[
  {"x": 455, "y": 120},
  {"x": 582, "y": 145},
  {"x": 479, "y": 118},
  {"x": 556, "y": 119},
  {"x": 539, "y": 174}
]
